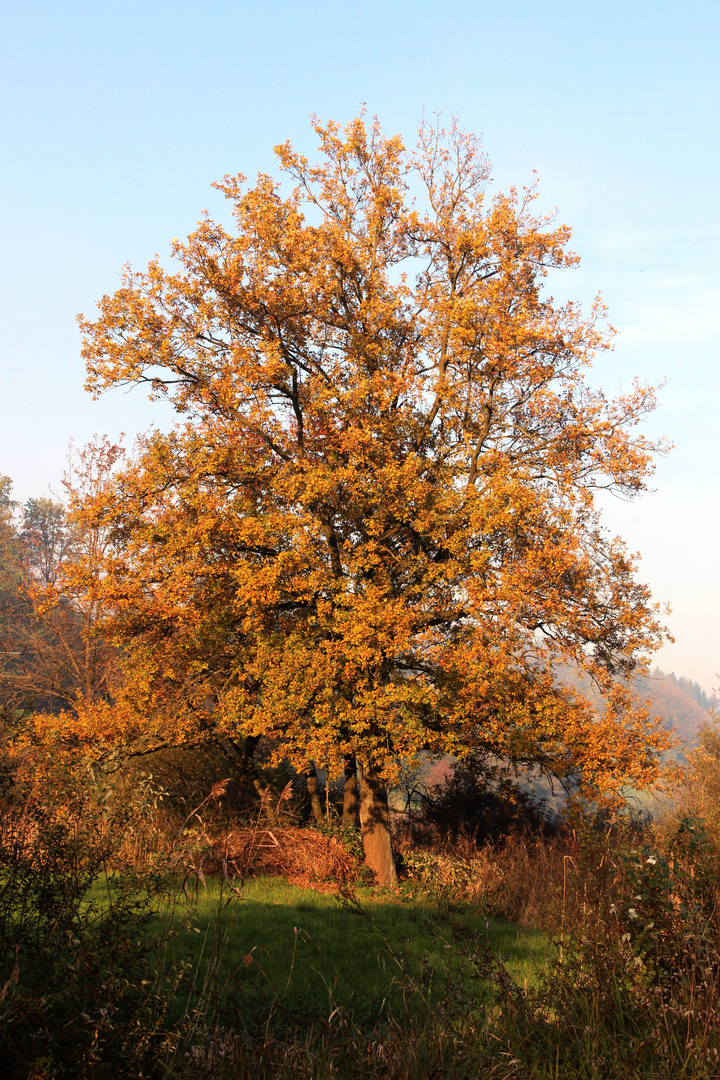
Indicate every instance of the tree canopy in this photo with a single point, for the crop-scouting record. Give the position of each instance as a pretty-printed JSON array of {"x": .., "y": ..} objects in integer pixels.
[{"x": 372, "y": 531}]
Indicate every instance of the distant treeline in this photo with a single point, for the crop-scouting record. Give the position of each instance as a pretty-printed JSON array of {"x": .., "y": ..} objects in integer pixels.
[{"x": 692, "y": 689}]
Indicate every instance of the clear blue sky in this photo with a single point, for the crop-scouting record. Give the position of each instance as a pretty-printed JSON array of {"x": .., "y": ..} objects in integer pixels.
[{"x": 116, "y": 117}]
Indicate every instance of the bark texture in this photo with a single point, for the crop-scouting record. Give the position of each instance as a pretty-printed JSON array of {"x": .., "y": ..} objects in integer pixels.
[{"x": 375, "y": 825}]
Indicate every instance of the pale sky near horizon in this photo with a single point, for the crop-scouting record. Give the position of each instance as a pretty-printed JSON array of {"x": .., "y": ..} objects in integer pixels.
[{"x": 116, "y": 117}]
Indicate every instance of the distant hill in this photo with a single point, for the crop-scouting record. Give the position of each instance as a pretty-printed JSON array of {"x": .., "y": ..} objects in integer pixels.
[
  {"x": 679, "y": 702},
  {"x": 693, "y": 689}
]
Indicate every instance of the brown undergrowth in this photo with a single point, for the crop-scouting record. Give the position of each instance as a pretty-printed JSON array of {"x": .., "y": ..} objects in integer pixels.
[
  {"x": 520, "y": 878},
  {"x": 303, "y": 856}
]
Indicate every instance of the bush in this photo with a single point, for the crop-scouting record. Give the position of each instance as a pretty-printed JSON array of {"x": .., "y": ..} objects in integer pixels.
[
  {"x": 76, "y": 998},
  {"x": 482, "y": 800},
  {"x": 695, "y": 786}
]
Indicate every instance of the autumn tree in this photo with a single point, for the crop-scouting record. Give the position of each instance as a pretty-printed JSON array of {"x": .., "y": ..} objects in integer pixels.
[
  {"x": 11, "y": 602},
  {"x": 50, "y": 657},
  {"x": 372, "y": 532}
]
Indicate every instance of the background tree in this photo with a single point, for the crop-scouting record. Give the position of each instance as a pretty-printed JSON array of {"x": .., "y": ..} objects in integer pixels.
[
  {"x": 374, "y": 532},
  {"x": 48, "y": 607},
  {"x": 12, "y": 607},
  {"x": 46, "y": 539}
]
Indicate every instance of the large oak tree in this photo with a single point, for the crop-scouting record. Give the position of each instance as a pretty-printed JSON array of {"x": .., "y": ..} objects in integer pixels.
[{"x": 372, "y": 532}]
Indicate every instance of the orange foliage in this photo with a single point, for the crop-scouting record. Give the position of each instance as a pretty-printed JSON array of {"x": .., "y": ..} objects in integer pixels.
[{"x": 373, "y": 530}]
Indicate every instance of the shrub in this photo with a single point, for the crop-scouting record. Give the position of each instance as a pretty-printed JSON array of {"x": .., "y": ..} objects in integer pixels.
[
  {"x": 76, "y": 996},
  {"x": 482, "y": 799}
]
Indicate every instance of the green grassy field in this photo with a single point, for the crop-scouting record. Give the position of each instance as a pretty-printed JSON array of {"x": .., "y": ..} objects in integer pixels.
[
  {"x": 276, "y": 981},
  {"x": 284, "y": 956}
]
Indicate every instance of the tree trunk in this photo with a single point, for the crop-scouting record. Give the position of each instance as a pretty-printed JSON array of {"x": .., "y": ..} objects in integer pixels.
[
  {"x": 375, "y": 824},
  {"x": 315, "y": 804},
  {"x": 351, "y": 796}
]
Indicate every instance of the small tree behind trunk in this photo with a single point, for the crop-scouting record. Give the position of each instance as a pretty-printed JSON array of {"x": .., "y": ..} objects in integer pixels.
[
  {"x": 375, "y": 825},
  {"x": 264, "y": 790},
  {"x": 313, "y": 792},
  {"x": 351, "y": 795}
]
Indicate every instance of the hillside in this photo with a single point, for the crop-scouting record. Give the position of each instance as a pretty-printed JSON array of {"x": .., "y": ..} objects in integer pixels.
[{"x": 680, "y": 703}]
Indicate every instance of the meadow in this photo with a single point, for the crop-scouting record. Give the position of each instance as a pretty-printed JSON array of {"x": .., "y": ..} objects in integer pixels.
[
  {"x": 283, "y": 956},
  {"x": 590, "y": 950}
]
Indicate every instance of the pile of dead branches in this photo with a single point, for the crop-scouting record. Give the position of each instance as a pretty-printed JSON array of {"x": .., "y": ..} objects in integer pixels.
[{"x": 302, "y": 856}]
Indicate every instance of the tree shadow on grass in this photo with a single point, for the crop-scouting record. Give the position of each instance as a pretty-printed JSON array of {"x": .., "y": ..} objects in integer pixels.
[{"x": 281, "y": 958}]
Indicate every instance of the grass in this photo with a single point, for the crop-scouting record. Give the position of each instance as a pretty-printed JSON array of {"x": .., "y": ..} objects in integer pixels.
[
  {"x": 281, "y": 956},
  {"x": 277, "y": 981}
]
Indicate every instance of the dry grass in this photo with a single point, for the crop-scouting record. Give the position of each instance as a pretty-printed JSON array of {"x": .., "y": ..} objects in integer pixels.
[{"x": 525, "y": 879}]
